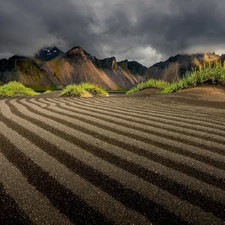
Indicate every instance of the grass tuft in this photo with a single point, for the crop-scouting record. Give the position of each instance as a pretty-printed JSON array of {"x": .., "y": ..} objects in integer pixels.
[
  {"x": 15, "y": 89},
  {"x": 151, "y": 83},
  {"x": 47, "y": 91},
  {"x": 212, "y": 73},
  {"x": 83, "y": 90}
]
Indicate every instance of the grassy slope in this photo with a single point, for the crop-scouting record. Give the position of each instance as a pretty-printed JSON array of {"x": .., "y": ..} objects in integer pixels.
[{"x": 207, "y": 73}]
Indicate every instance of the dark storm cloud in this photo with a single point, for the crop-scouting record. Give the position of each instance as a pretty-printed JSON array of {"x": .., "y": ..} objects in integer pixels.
[
  {"x": 29, "y": 25},
  {"x": 184, "y": 25},
  {"x": 143, "y": 30}
]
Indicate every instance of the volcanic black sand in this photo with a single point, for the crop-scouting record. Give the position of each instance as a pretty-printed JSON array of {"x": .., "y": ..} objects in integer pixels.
[{"x": 145, "y": 158}]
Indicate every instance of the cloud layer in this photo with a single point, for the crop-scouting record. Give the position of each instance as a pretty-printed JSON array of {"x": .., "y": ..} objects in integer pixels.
[{"x": 144, "y": 30}]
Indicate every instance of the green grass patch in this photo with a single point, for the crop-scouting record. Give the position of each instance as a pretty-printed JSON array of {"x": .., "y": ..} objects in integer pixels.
[
  {"x": 83, "y": 90},
  {"x": 208, "y": 73},
  {"x": 47, "y": 91},
  {"x": 14, "y": 89},
  {"x": 151, "y": 83}
]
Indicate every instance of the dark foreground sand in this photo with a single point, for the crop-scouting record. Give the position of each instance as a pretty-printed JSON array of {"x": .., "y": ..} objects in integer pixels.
[
  {"x": 205, "y": 96},
  {"x": 145, "y": 158}
]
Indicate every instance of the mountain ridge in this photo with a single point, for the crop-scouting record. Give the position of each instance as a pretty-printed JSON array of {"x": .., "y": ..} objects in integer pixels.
[{"x": 49, "y": 70}]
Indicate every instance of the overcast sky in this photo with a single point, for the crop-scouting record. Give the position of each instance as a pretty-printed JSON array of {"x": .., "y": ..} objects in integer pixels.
[{"x": 144, "y": 30}]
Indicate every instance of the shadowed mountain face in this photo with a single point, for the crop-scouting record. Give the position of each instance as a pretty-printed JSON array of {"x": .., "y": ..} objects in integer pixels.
[
  {"x": 24, "y": 70},
  {"x": 134, "y": 68},
  {"x": 176, "y": 66}
]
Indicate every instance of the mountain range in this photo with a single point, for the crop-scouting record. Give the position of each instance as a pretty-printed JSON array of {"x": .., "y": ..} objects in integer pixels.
[{"x": 51, "y": 68}]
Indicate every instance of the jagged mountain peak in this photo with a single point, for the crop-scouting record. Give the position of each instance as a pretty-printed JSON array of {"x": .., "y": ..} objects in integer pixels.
[
  {"x": 48, "y": 53},
  {"x": 78, "y": 52},
  {"x": 107, "y": 63},
  {"x": 76, "y": 49}
]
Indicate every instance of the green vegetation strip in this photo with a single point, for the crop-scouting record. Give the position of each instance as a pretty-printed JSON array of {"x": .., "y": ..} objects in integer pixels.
[
  {"x": 214, "y": 74},
  {"x": 83, "y": 90},
  {"x": 14, "y": 89}
]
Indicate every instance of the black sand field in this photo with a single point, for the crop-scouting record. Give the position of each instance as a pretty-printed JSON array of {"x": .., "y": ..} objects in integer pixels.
[{"x": 140, "y": 159}]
